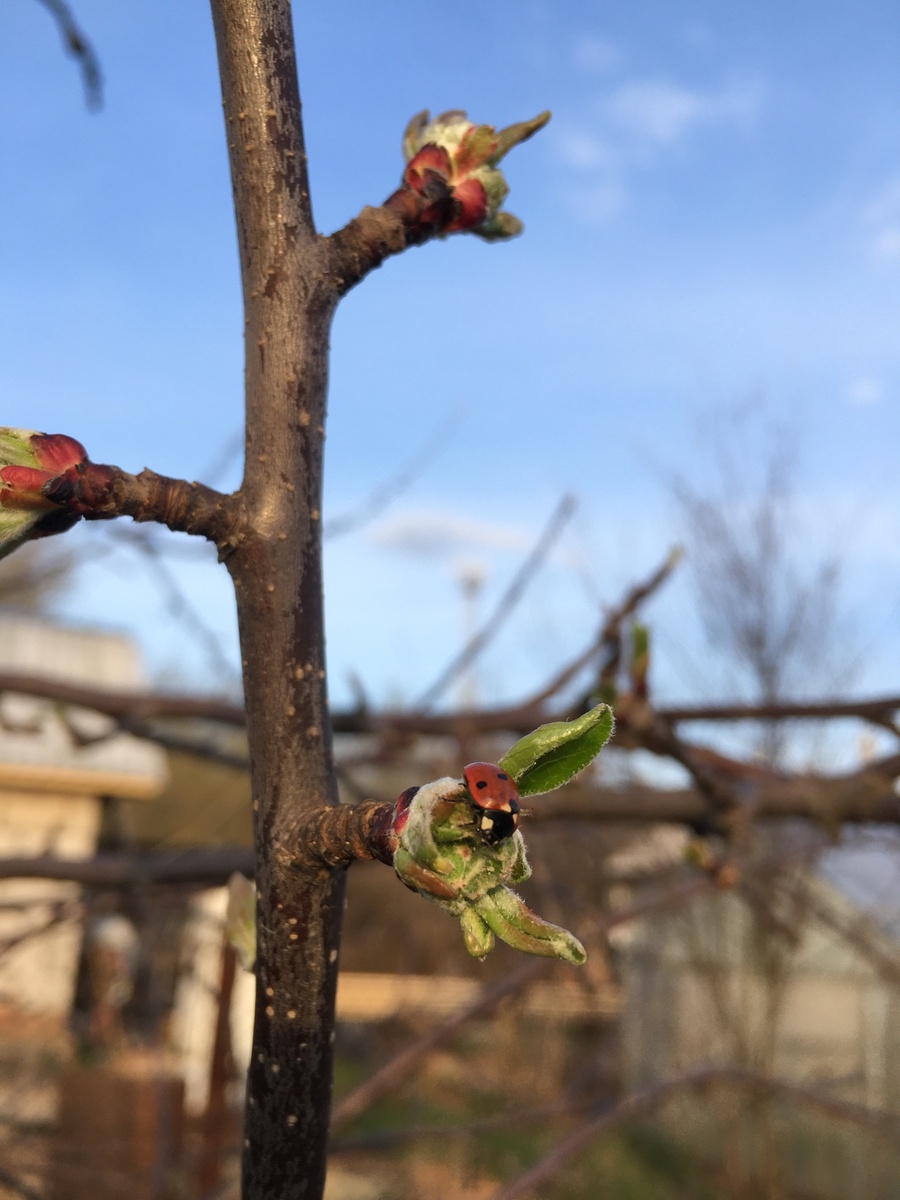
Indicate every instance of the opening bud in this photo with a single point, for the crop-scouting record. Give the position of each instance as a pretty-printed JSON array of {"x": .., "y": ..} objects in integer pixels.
[{"x": 452, "y": 152}]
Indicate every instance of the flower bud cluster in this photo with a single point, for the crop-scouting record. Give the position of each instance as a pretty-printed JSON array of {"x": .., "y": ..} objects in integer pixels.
[
  {"x": 451, "y": 154},
  {"x": 441, "y": 853}
]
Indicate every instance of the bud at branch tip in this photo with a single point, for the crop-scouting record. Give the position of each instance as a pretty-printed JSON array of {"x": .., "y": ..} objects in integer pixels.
[{"x": 451, "y": 165}]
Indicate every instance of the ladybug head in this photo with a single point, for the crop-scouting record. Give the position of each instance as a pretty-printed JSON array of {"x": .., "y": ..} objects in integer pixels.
[{"x": 495, "y": 798}]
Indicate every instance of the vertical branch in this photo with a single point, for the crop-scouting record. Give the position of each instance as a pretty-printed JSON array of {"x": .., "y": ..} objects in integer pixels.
[{"x": 277, "y": 577}]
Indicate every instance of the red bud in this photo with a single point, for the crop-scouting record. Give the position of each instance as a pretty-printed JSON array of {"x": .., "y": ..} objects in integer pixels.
[
  {"x": 472, "y": 200},
  {"x": 431, "y": 161},
  {"x": 22, "y": 487},
  {"x": 56, "y": 452}
]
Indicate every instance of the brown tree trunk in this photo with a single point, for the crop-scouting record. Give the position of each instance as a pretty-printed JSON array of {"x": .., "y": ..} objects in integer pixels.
[{"x": 277, "y": 575}]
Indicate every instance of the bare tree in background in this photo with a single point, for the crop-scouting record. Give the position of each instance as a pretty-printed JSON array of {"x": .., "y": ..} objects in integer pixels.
[{"x": 768, "y": 601}]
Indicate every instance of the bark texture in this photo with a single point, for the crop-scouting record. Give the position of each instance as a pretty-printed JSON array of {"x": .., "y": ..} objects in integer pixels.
[
  {"x": 276, "y": 568},
  {"x": 99, "y": 493}
]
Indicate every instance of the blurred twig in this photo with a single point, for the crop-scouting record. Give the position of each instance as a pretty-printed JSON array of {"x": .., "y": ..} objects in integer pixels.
[
  {"x": 505, "y": 604},
  {"x": 78, "y": 46},
  {"x": 384, "y": 1138},
  {"x": 212, "y": 866},
  {"x": 19, "y": 1186},
  {"x": 386, "y": 492},
  {"x": 608, "y": 638},
  {"x": 362, "y": 1097},
  {"x": 182, "y": 608},
  {"x": 62, "y": 911}
]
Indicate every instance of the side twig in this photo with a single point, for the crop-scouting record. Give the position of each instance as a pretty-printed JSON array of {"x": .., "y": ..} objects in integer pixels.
[
  {"x": 505, "y": 605},
  {"x": 81, "y": 50},
  {"x": 100, "y": 493}
]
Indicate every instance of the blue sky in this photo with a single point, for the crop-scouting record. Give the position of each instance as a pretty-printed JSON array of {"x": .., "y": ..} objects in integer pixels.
[{"x": 712, "y": 218}]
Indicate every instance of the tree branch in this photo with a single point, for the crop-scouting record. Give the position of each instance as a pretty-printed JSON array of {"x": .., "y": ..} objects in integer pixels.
[
  {"x": 388, "y": 490},
  {"x": 505, "y": 605},
  {"x": 866, "y": 794},
  {"x": 405, "y": 219},
  {"x": 19, "y": 1186},
  {"x": 337, "y": 835},
  {"x": 139, "y": 706},
  {"x": 100, "y": 493},
  {"x": 81, "y": 49},
  {"x": 199, "y": 867},
  {"x": 877, "y": 710},
  {"x": 451, "y": 184},
  {"x": 384, "y": 1139},
  {"x": 611, "y": 632}
]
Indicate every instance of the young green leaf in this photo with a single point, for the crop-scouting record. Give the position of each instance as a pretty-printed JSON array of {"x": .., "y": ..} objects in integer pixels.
[{"x": 551, "y": 755}]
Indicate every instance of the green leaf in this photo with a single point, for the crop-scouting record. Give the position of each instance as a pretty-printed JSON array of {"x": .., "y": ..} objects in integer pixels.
[
  {"x": 508, "y": 916},
  {"x": 479, "y": 143},
  {"x": 479, "y": 938},
  {"x": 499, "y": 227},
  {"x": 551, "y": 755},
  {"x": 514, "y": 135}
]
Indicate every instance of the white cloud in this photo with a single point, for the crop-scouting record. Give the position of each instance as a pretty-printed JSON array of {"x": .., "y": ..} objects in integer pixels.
[
  {"x": 865, "y": 390},
  {"x": 584, "y": 151},
  {"x": 596, "y": 54},
  {"x": 659, "y": 112},
  {"x": 881, "y": 216},
  {"x": 635, "y": 125},
  {"x": 886, "y": 244},
  {"x": 598, "y": 203},
  {"x": 435, "y": 534}
]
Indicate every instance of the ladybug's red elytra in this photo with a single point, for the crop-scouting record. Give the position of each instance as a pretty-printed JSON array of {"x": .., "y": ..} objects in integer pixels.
[{"x": 495, "y": 797}]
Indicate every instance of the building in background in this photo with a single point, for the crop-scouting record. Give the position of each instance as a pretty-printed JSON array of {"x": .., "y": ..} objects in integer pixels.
[{"x": 57, "y": 768}]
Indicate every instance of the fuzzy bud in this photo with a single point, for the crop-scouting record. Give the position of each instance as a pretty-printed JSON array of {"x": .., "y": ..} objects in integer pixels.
[
  {"x": 442, "y": 854},
  {"x": 29, "y": 462},
  {"x": 452, "y": 153}
]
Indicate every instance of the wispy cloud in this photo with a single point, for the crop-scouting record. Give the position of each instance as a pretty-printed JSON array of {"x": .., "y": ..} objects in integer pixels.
[
  {"x": 431, "y": 533},
  {"x": 637, "y": 124},
  {"x": 596, "y": 54},
  {"x": 865, "y": 391},
  {"x": 586, "y": 152},
  {"x": 656, "y": 111},
  {"x": 881, "y": 218},
  {"x": 599, "y": 202}
]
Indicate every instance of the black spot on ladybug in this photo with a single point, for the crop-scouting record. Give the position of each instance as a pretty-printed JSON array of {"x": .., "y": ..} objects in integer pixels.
[
  {"x": 481, "y": 784},
  {"x": 496, "y": 826}
]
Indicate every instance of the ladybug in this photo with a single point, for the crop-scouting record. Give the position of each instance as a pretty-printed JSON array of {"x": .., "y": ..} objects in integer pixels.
[{"x": 495, "y": 798}]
